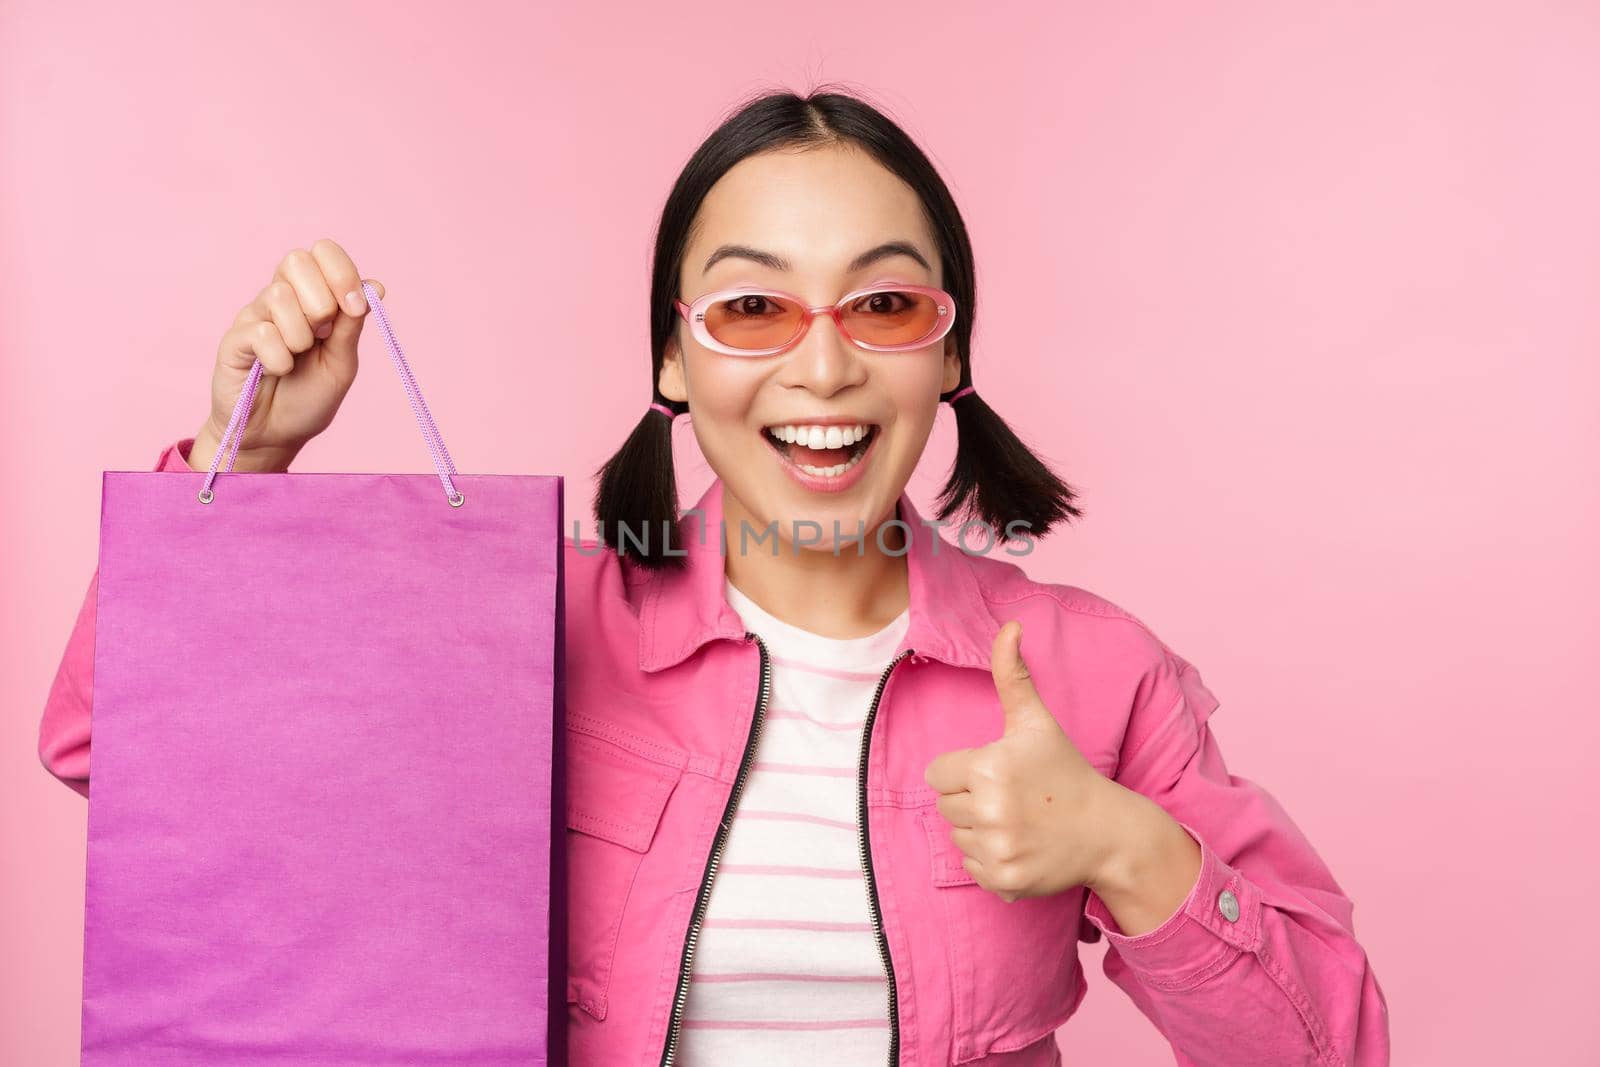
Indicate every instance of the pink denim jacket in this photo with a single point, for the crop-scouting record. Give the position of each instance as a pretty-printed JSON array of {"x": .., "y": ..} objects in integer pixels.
[{"x": 665, "y": 692}]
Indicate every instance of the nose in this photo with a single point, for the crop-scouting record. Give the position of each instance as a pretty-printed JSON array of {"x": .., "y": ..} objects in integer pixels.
[{"x": 823, "y": 361}]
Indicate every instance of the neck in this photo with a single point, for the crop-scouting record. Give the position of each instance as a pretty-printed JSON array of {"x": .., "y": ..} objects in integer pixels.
[{"x": 853, "y": 592}]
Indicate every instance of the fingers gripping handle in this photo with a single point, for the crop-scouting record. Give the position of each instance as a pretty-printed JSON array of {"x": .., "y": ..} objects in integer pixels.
[{"x": 419, "y": 408}]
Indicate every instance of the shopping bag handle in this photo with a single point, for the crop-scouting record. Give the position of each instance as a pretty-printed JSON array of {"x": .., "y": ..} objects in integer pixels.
[{"x": 419, "y": 408}]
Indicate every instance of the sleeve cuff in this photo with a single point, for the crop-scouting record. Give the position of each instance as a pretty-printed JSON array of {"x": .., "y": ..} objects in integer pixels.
[
  {"x": 1198, "y": 939},
  {"x": 175, "y": 457}
]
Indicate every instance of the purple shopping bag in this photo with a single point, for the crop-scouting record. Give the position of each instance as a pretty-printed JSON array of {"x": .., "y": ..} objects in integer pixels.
[{"x": 327, "y": 715}]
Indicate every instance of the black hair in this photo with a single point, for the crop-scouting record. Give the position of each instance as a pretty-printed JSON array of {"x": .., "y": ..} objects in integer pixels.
[{"x": 995, "y": 478}]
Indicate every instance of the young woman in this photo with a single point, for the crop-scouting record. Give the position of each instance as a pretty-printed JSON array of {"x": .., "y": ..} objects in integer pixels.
[{"x": 821, "y": 808}]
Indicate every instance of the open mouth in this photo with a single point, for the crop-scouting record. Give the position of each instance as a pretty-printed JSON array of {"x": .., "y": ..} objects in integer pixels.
[{"x": 822, "y": 451}]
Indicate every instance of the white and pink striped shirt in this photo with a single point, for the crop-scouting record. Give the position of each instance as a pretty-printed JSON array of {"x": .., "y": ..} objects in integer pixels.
[{"x": 787, "y": 969}]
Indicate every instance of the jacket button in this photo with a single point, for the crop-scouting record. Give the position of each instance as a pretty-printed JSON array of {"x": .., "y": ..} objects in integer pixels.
[{"x": 1228, "y": 904}]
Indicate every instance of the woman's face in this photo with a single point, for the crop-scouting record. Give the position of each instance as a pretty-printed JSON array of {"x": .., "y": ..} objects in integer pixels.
[{"x": 815, "y": 211}]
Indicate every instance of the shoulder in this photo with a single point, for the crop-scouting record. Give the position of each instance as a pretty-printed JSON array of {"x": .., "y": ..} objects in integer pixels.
[
  {"x": 601, "y": 589},
  {"x": 1066, "y": 612},
  {"x": 1100, "y": 651},
  {"x": 593, "y": 570},
  {"x": 587, "y": 560},
  {"x": 601, "y": 598}
]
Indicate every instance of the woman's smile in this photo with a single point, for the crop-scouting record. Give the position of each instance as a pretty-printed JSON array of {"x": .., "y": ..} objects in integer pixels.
[{"x": 825, "y": 455}]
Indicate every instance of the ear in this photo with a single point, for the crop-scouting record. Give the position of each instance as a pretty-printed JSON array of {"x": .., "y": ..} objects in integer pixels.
[
  {"x": 952, "y": 366},
  {"x": 671, "y": 382}
]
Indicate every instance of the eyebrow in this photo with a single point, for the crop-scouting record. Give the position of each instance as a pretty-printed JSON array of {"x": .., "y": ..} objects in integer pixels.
[{"x": 777, "y": 262}]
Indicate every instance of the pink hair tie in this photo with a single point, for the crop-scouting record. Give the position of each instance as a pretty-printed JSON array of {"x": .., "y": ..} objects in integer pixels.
[
  {"x": 959, "y": 393},
  {"x": 663, "y": 409}
]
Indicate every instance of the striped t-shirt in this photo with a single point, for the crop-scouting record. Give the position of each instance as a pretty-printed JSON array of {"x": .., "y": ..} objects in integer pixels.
[{"x": 787, "y": 968}]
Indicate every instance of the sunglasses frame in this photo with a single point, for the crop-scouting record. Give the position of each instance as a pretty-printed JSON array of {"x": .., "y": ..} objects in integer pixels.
[{"x": 695, "y": 315}]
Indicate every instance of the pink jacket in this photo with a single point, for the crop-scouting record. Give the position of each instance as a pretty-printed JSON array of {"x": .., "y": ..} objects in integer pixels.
[{"x": 665, "y": 693}]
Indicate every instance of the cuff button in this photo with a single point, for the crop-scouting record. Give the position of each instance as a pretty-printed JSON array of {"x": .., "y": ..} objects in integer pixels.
[{"x": 1228, "y": 904}]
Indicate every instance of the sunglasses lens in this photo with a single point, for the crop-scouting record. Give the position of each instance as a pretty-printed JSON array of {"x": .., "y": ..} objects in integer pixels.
[
  {"x": 892, "y": 317},
  {"x": 754, "y": 320},
  {"x": 887, "y": 317}
]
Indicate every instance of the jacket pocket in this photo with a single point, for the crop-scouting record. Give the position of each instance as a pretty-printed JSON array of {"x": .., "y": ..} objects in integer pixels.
[
  {"x": 1014, "y": 970},
  {"x": 615, "y": 798}
]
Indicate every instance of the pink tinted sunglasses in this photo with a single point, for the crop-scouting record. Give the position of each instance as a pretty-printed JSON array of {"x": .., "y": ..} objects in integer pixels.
[{"x": 749, "y": 321}]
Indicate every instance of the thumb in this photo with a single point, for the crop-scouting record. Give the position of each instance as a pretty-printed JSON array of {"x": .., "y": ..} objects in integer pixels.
[
  {"x": 1012, "y": 681},
  {"x": 340, "y": 348}
]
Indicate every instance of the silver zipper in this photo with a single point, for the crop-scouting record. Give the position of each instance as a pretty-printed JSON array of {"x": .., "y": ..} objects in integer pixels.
[
  {"x": 866, "y": 862},
  {"x": 681, "y": 998}
]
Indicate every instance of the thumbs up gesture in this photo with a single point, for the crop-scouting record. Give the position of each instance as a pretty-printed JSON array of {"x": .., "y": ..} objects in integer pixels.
[{"x": 1031, "y": 814}]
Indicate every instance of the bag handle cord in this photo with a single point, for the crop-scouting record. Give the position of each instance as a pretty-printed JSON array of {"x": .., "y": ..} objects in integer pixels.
[{"x": 419, "y": 408}]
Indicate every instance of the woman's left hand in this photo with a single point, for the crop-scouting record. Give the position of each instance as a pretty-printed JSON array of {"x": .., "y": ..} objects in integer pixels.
[{"x": 1031, "y": 814}]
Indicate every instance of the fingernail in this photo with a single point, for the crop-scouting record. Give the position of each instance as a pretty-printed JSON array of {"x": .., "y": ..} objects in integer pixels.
[
  {"x": 354, "y": 302},
  {"x": 324, "y": 330}
]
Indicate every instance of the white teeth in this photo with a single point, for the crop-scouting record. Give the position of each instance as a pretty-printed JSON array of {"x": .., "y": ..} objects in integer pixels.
[
  {"x": 833, "y": 471},
  {"x": 820, "y": 436},
  {"x": 824, "y": 437}
]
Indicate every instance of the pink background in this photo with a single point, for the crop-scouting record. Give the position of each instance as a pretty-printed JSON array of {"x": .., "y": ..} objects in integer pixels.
[{"x": 1302, "y": 296}]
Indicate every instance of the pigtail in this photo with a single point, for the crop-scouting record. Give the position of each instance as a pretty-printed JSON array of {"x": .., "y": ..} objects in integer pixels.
[
  {"x": 997, "y": 479},
  {"x": 636, "y": 501}
]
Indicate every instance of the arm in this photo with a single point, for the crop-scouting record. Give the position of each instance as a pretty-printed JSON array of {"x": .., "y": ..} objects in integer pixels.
[
  {"x": 64, "y": 727},
  {"x": 1259, "y": 964}
]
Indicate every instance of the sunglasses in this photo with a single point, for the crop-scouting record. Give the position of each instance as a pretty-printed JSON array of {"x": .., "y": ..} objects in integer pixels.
[{"x": 763, "y": 322}]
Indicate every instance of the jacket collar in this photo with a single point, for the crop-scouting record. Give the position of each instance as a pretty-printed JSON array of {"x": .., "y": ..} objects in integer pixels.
[{"x": 683, "y": 610}]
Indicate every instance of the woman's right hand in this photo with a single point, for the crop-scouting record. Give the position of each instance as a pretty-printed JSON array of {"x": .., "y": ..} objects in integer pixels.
[{"x": 303, "y": 326}]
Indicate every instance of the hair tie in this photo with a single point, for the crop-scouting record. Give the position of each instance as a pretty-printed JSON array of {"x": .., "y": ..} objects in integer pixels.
[
  {"x": 959, "y": 393},
  {"x": 668, "y": 412}
]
